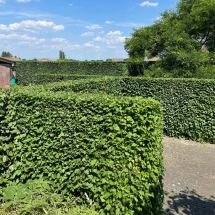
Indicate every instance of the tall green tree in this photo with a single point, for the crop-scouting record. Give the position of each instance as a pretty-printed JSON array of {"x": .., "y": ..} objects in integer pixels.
[
  {"x": 6, "y": 54},
  {"x": 178, "y": 37},
  {"x": 62, "y": 55}
]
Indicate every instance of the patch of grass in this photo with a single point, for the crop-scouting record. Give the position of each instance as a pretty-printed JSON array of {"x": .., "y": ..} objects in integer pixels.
[{"x": 37, "y": 198}]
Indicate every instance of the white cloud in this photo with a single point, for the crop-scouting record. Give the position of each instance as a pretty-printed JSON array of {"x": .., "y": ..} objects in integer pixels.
[
  {"x": 109, "y": 22},
  {"x": 91, "y": 45},
  {"x": 25, "y": 43},
  {"x": 111, "y": 47},
  {"x": 35, "y": 43},
  {"x": 62, "y": 43},
  {"x": 3, "y": 27},
  {"x": 31, "y": 24},
  {"x": 29, "y": 15},
  {"x": 70, "y": 4},
  {"x": 75, "y": 46},
  {"x": 114, "y": 33},
  {"x": 2, "y": 1},
  {"x": 129, "y": 24},
  {"x": 65, "y": 47},
  {"x": 16, "y": 37},
  {"x": 93, "y": 27},
  {"x": 101, "y": 32},
  {"x": 42, "y": 40},
  {"x": 100, "y": 39},
  {"x": 87, "y": 34},
  {"x": 23, "y": 1},
  {"x": 58, "y": 40},
  {"x": 21, "y": 39},
  {"x": 111, "y": 37},
  {"x": 149, "y": 4}
]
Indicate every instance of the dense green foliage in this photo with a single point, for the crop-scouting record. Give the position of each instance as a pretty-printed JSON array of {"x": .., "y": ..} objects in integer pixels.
[
  {"x": 101, "y": 148},
  {"x": 157, "y": 70},
  {"x": 188, "y": 103},
  {"x": 6, "y": 54},
  {"x": 136, "y": 68},
  {"x": 182, "y": 38},
  {"x": 27, "y": 72},
  {"x": 62, "y": 55}
]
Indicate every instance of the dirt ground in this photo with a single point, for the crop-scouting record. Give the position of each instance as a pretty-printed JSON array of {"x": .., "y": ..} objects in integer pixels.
[{"x": 189, "y": 180}]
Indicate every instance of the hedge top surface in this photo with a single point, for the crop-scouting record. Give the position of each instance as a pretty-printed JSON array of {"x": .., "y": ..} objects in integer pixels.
[
  {"x": 44, "y": 91},
  {"x": 114, "y": 78}
]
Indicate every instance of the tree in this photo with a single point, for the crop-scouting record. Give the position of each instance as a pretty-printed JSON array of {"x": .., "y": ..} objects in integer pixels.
[
  {"x": 178, "y": 37},
  {"x": 199, "y": 17},
  {"x": 6, "y": 54},
  {"x": 62, "y": 55}
]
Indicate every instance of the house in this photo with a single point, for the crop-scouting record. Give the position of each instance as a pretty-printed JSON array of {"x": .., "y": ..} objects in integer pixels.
[
  {"x": 117, "y": 59},
  {"x": 6, "y": 73},
  {"x": 152, "y": 60}
]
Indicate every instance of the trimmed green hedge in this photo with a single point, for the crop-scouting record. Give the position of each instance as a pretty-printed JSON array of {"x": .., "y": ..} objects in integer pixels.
[
  {"x": 27, "y": 71},
  {"x": 189, "y": 104},
  {"x": 108, "y": 148},
  {"x": 33, "y": 72}
]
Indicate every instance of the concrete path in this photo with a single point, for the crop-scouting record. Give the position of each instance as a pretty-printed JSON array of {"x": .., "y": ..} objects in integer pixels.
[{"x": 189, "y": 181}]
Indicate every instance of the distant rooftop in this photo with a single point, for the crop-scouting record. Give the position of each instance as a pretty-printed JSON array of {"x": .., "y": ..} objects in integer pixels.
[
  {"x": 117, "y": 59},
  {"x": 45, "y": 60}
]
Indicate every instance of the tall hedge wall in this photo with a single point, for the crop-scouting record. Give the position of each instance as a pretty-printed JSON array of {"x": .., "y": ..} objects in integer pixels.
[
  {"x": 27, "y": 71},
  {"x": 189, "y": 104},
  {"x": 107, "y": 147},
  {"x": 33, "y": 72}
]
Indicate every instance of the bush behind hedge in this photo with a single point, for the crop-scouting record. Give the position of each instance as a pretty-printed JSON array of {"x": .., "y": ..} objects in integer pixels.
[{"x": 108, "y": 148}]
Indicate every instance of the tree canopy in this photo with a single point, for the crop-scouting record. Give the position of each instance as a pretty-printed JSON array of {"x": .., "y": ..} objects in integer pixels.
[
  {"x": 6, "y": 54},
  {"x": 182, "y": 38}
]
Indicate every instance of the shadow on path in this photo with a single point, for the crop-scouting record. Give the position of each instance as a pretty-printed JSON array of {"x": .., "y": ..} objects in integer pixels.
[{"x": 189, "y": 203}]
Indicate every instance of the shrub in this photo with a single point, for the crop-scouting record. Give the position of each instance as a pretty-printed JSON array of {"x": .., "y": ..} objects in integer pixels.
[
  {"x": 136, "y": 68},
  {"x": 207, "y": 72}
]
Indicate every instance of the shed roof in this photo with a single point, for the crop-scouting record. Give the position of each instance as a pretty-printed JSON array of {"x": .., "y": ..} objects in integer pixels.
[{"x": 9, "y": 60}]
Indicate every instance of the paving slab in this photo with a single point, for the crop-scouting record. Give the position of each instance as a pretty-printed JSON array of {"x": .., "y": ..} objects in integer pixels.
[{"x": 189, "y": 180}]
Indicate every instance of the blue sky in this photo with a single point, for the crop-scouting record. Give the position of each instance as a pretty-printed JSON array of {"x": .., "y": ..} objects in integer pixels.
[{"x": 83, "y": 29}]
